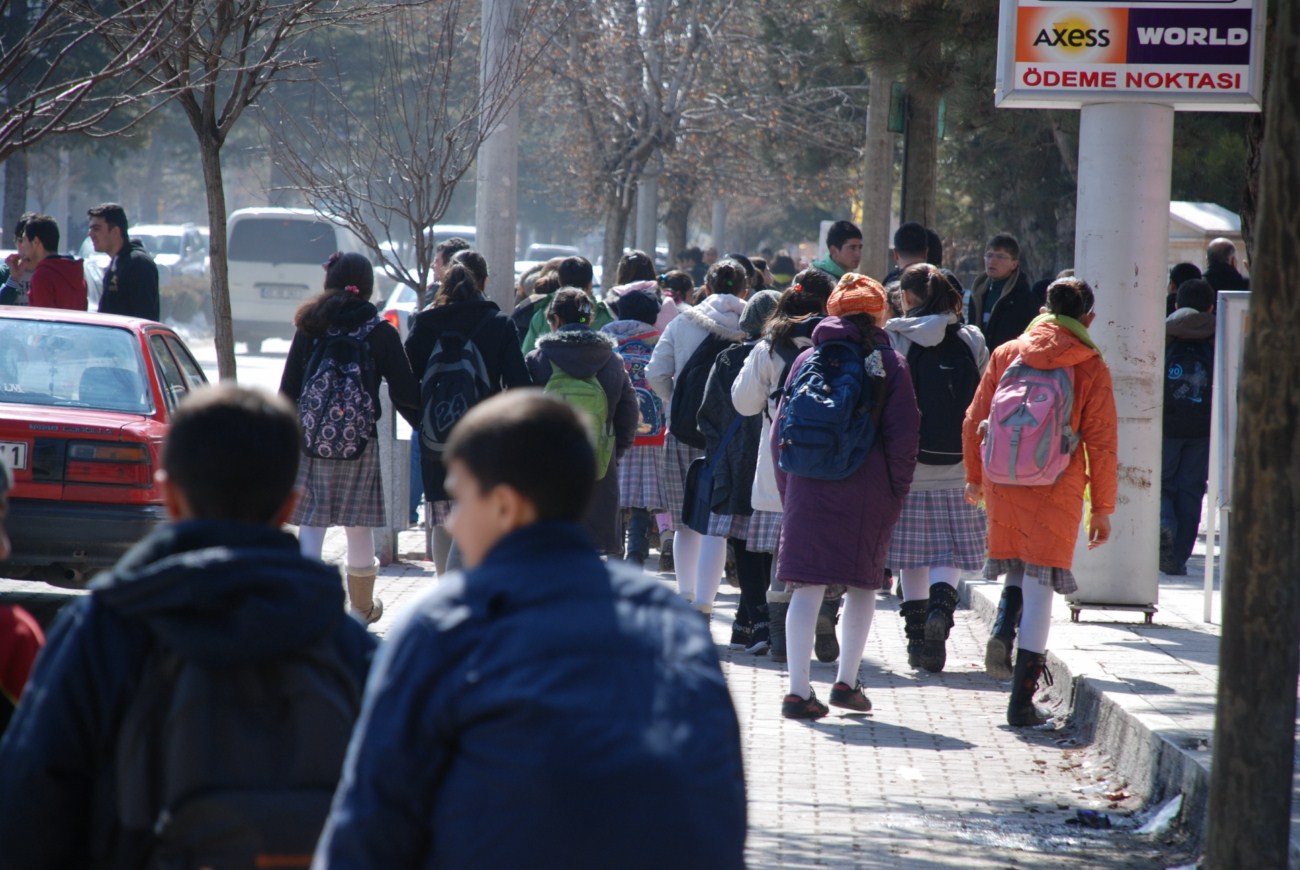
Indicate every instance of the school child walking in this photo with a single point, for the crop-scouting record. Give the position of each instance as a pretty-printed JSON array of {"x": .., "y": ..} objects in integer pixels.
[
  {"x": 836, "y": 531},
  {"x": 1033, "y": 528},
  {"x": 341, "y": 351},
  {"x": 938, "y": 534}
]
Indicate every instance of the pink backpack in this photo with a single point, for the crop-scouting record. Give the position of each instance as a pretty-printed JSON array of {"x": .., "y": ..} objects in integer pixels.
[{"x": 1027, "y": 437}]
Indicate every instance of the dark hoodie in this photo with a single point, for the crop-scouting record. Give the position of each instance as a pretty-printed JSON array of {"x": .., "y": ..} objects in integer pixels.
[
  {"x": 217, "y": 592},
  {"x": 131, "y": 283},
  {"x": 59, "y": 282},
  {"x": 583, "y": 353},
  {"x": 1189, "y": 373}
]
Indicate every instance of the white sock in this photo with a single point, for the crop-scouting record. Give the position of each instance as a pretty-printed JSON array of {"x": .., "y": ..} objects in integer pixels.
[
  {"x": 855, "y": 624},
  {"x": 945, "y": 574},
  {"x": 361, "y": 547},
  {"x": 916, "y": 583},
  {"x": 1036, "y": 615},
  {"x": 686, "y": 557},
  {"x": 711, "y": 564},
  {"x": 1015, "y": 577},
  {"x": 311, "y": 541},
  {"x": 800, "y": 630}
]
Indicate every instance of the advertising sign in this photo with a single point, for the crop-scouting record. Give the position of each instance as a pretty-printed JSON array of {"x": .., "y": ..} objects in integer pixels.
[{"x": 1191, "y": 54}]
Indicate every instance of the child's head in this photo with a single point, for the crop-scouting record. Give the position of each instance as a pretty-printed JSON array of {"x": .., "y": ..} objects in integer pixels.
[
  {"x": 518, "y": 458},
  {"x": 569, "y": 306},
  {"x": 231, "y": 454},
  {"x": 927, "y": 290},
  {"x": 1071, "y": 297},
  {"x": 1196, "y": 293}
]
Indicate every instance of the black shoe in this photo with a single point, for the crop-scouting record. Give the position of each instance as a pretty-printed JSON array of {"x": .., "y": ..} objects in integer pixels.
[
  {"x": 794, "y": 707},
  {"x": 741, "y": 636},
  {"x": 850, "y": 699},
  {"x": 760, "y": 640}
]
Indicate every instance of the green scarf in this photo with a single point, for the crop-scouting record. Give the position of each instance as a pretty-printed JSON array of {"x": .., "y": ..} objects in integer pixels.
[{"x": 1080, "y": 331}]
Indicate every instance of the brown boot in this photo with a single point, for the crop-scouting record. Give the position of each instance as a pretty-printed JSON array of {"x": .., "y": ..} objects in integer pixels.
[{"x": 361, "y": 594}]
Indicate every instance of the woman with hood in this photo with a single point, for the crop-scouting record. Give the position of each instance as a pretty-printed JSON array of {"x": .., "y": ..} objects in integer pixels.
[
  {"x": 1033, "y": 529},
  {"x": 581, "y": 353},
  {"x": 348, "y": 492},
  {"x": 459, "y": 308},
  {"x": 938, "y": 534},
  {"x": 699, "y": 559},
  {"x": 757, "y": 390},
  {"x": 641, "y": 470},
  {"x": 836, "y": 532}
]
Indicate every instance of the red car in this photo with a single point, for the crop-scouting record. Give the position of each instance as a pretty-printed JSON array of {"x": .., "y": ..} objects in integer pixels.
[{"x": 85, "y": 400}]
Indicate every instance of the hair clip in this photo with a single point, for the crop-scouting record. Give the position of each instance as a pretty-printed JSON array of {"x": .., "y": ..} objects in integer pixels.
[{"x": 353, "y": 289}]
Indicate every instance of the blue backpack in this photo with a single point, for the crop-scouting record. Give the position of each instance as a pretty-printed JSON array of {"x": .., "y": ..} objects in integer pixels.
[
  {"x": 828, "y": 420},
  {"x": 652, "y": 425},
  {"x": 337, "y": 412}
]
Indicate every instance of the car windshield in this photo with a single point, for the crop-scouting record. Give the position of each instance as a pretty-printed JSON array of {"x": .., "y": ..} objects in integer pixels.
[
  {"x": 74, "y": 365},
  {"x": 159, "y": 244}
]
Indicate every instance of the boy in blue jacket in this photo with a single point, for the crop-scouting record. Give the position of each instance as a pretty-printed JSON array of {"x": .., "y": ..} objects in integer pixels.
[{"x": 543, "y": 708}]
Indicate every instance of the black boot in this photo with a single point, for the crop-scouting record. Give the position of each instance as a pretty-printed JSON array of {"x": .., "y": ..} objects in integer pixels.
[
  {"x": 1021, "y": 711},
  {"x": 997, "y": 652},
  {"x": 826, "y": 645},
  {"x": 914, "y": 613},
  {"x": 777, "y": 605},
  {"x": 938, "y": 622}
]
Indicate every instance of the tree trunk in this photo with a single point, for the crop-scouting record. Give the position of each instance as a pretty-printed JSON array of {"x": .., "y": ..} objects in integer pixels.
[
  {"x": 878, "y": 177},
  {"x": 922, "y": 154},
  {"x": 214, "y": 186},
  {"x": 1255, "y": 717},
  {"x": 15, "y": 193},
  {"x": 617, "y": 213},
  {"x": 677, "y": 221}
]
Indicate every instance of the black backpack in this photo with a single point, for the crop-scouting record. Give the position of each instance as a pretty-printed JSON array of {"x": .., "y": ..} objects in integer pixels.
[
  {"x": 945, "y": 377},
  {"x": 688, "y": 391},
  {"x": 338, "y": 413},
  {"x": 235, "y": 766},
  {"x": 455, "y": 379},
  {"x": 1189, "y": 380}
]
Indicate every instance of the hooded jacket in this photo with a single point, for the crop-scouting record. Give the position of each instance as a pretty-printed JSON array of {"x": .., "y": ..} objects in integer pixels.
[
  {"x": 837, "y": 532},
  {"x": 219, "y": 593},
  {"x": 1189, "y": 418},
  {"x": 131, "y": 283},
  {"x": 718, "y": 315},
  {"x": 385, "y": 345},
  {"x": 582, "y": 353},
  {"x": 1012, "y": 312},
  {"x": 569, "y": 699},
  {"x": 58, "y": 282},
  {"x": 538, "y": 325},
  {"x": 929, "y": 331},
  {"x": 1040, "y": 524},
  {"x": 497, "y": 343}
]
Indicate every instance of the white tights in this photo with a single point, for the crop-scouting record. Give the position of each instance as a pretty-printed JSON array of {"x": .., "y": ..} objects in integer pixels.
[
  {"x": 800, "y": 631},
  {"x": 1035, "y": 615},
  {"x": 699, "y": 561},
  {"x": 917, "y": 581},
  {"x": 361, "y": 544}
]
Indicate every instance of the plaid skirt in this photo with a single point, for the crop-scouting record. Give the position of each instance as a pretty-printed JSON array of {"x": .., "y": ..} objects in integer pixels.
[
  {"x": 640, "y": 478},
  {"x": 1060, "y": 579},
  {"x": 938, "y": 528},
  {"x": 341, "y": 492},
  {"x": 764, "y": 530},
  {"x": 728, "y": 526},
  {"x": 677, "y": 460}
]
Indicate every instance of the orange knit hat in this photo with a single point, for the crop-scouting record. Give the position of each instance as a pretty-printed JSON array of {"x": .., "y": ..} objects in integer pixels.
[{"x": 856, "y": 294}]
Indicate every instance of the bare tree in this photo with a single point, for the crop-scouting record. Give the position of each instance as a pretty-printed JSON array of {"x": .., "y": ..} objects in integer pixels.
[{"x": 381, "y": 139}]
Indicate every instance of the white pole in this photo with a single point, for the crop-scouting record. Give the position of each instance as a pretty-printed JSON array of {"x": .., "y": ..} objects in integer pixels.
[
  {"x": 496, "y": 206},
  {"x": 1122, "y": 234}
]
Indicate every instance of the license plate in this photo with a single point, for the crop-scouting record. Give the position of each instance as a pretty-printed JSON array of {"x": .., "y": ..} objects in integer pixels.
[
  {"x": 283, "y": 291},
  {"x": 14, "y": 454}
]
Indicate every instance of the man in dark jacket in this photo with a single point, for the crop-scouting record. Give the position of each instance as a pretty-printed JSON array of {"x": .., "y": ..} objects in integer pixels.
[
  {"x": 131, "y": 279},
  {"x": 1221, "y": 266},
  {"x": 222, "y": 585},
  {"x": 1002, "y": 302},
  {"x": 544, "y": 708}
]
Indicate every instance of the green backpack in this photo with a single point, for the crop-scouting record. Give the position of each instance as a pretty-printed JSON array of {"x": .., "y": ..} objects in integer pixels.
[{"x": 588, "y": 396}]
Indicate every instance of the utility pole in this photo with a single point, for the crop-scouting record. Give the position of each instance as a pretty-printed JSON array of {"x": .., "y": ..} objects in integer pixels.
[{"x": 496, "y": 206}]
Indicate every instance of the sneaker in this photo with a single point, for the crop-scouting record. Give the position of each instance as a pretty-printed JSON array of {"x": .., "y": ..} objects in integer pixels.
[
  {"x": 850, "y": 699},
  {"x": 794, "y": 707},
  {"x": 760, "y": 639},
  {"x": 741, "y": 636}
]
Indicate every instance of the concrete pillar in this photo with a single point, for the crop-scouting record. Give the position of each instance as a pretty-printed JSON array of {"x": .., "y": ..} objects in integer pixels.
[
  {"x": 496, "y": 207},
  {"x": 878, "y": 179},
  {"x": 1122, "y": 234},
  {"x": 395, "y": 472}
]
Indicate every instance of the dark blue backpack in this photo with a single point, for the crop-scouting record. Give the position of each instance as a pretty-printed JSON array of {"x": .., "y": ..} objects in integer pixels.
[{"x": 828, "y": 419}]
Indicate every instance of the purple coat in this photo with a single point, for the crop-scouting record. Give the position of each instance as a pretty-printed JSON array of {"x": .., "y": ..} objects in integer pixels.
[{"x": 836, "y": 532}]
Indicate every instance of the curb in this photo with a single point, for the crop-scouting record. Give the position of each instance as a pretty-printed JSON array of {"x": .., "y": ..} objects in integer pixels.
[{"x": 1159, "y": 759}]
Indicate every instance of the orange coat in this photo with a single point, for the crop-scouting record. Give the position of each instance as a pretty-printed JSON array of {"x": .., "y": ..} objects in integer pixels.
[{"x": 1040, "y": 524}]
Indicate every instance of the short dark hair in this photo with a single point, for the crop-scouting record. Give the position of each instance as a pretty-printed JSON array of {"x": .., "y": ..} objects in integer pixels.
[
  {"x": 910, "y": 239},
  {"x": 233, "y": 452},
  {"x": 45, "y": 228},
  {"x": 1182, "y": 272},
  {"x": 112, "y": 213},
  {"x": 1005, "y": 242},
  {"x": 576, "y": 272},
  {"x": 534, "y": 443},
  {"x": 694, "y": 254},
  {"x": 637, "y": 305},
  {"x": 449, "y": 248},
  {"x": 21, "y": 226},
  {"x": 934, "y": 248},
  {"x": 571, "y": 305},
  {"x": 840, "y": 232},
  {"x": 1196, "y": 293},
  {"x": 1071, "y": 297}
]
